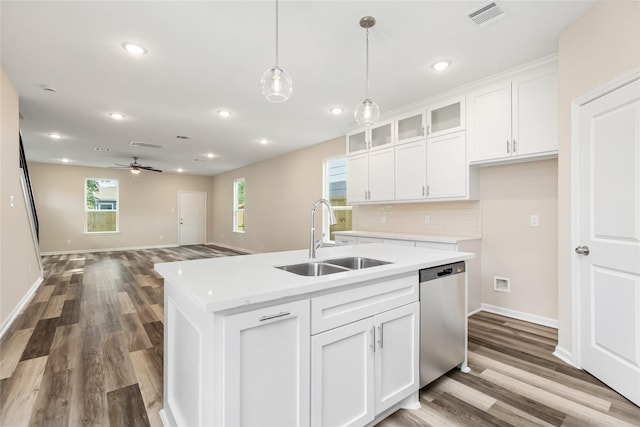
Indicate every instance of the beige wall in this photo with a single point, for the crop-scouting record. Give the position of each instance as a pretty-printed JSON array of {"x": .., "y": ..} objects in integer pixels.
[
  {"x": 598, "y": 47},
  {"x": 279, "y": 195},
  {"x": 148, "y": 207},
  {"x": 19, "y": 258},
  {"x": 513, "y": 249}
]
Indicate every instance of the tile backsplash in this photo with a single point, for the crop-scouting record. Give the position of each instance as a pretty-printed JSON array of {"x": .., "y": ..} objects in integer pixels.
[{"x": 445, "y": 218}]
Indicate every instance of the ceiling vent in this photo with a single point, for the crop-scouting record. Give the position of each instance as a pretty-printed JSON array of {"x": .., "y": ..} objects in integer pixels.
[
  {"x": 486, "y": 14},
  {"x": 144, "y": 144}
]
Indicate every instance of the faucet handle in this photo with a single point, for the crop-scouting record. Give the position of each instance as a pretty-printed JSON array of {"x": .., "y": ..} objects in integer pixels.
[{"x": 321, "y": 241}]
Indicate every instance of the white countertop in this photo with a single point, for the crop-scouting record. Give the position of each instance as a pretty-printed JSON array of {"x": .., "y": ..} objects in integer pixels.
[
  {"x": 217, "y": 284},
  {"x": 406, "y": 236}
]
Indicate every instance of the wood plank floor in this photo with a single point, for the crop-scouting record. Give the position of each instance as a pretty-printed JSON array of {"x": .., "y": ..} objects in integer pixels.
[{"x": 87, "y": 350}]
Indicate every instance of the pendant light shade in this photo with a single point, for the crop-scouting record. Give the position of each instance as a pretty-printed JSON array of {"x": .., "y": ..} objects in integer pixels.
[
  {"x": 276, "y": 83},
  {"x": 367, "y": 112}
]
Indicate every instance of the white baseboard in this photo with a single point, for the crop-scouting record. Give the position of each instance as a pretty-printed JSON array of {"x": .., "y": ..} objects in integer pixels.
[
  {"x": 472, "y": 312},
  {"x": 233, "y": 248},
  {"x": 88, "y": 251},
  {"x": 565, "y": 356},
  {"x": 521, "y": 315},
  {"x": 20, "y": 306}
]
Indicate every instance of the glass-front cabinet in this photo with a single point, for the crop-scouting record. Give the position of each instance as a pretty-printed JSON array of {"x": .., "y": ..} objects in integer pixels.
[
  {"x": 410, "y": 126},
  {"x": 446, "y": 117},
  {"x": 374, "y": 137}
]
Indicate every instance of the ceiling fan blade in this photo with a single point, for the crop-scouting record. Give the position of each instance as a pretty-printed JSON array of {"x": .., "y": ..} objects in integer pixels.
[{"x": 149, "y": 168}]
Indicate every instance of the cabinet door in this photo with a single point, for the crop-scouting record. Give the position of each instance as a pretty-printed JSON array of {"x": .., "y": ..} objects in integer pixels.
[
  {"x": 489, "y": 124},
  {"x": 535, "y": 112},
  {"x": 381, "y": 177},
  {"x": 382, "y": 135},
  {"x": 447, "y": 166},
  {"x": 396, "y": 355},
  {"x": 357, "y": 178},
  {"x": 411, "y": 170},
  {"x": 266, "y": 366},
  {"x": 342, "y": 369},
  {"x": 357, "y": 141},
  {"x": 446, "y": 117},
  {"x": 410, "y": 126}
]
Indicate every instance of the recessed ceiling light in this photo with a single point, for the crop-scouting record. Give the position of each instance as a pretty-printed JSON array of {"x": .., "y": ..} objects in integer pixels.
[
  {"x": 263, "y": 141},
  {"x": 116, "y": 116},
  {"x": 210, "y": 155},
  {"x": 179, "y": 170},
  {"x": 441, "y": 65},
  {"x": 55, "y": 136},
  {"x": 336, "y": 110},
  {"x": 65, "y": 160},
  {"x": 133, "y": 48},
  {"x": 224, "y": 113}
]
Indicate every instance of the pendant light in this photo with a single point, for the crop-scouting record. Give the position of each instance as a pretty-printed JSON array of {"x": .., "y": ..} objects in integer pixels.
[
  {"x": 276, "y": 82},
  {"x": 367, "y": 112}
]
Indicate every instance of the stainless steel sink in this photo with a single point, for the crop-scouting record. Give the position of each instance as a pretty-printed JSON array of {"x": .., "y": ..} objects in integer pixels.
[
  {"x": 313, "y": 269},
  {"x": 356, "y": 263},
  {"x": 331, "y": 266}
]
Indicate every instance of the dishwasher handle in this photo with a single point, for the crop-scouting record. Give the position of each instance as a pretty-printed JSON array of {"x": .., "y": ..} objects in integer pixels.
[{"x": 445, "y": 272}]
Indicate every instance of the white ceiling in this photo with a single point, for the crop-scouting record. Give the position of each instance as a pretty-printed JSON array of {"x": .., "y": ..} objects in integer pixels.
[{"x": 204, "y": 56}]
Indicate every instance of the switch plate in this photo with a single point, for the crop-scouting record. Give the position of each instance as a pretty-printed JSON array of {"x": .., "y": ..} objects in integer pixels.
[
  {"x": 427, "y": 219},
  {"x": 534, "y": 220},
  {"x": 383, "y": 219}
]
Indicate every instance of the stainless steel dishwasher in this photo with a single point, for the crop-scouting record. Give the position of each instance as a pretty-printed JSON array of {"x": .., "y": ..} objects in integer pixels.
[{"x": 443, "y": 320}]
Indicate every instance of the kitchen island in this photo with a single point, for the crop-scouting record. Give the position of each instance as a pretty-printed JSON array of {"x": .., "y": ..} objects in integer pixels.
[{"x": 247, "y": 343}]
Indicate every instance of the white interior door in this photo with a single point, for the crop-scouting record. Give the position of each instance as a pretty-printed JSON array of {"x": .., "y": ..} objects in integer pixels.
[
  {"x": 192, "y": 213},
  {"x": 608, "y": 251}
]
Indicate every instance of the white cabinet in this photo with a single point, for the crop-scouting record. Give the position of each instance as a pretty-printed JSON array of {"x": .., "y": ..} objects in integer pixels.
[
  {"x": 370, "y": 176},
  {"x": 516, "y": 118},
  {"x": 364, "y": 139},
  {"x": 410, "y": 126},
  {"x": 447, "y": 169},
  {"x": 277, "y": 337},
  {"x": 446, "y": 117},
  {"x": 363, "y": 368},
  {"x": 411, "y": 170}
]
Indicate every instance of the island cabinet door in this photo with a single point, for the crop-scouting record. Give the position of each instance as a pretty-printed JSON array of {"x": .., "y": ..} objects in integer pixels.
[
  {"x": 266, "y": 366},
  {"x": 342, "y": 375},
  {"x": 397, "y": 355}
]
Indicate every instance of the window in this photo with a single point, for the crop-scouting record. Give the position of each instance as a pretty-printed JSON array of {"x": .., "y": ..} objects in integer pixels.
[
  {"x": 238, "y": 205},
  {"x": 101, "y": 205},
  {"x": 335, "y": 190}
]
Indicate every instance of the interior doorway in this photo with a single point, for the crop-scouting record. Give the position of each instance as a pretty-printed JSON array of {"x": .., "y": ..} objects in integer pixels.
[{"x": 192, "y": 213}]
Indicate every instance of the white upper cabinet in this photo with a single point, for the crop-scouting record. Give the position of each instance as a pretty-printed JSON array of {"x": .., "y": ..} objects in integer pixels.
[
  {"x": 446, "y": 117},
  {"x": 516, "y": 118},
  {"x": 357, "y": 141},
  {"x": 370, "y": 176},
  {"x": 410, "y": 126},
  {"x": 371, "y": 138},
  {"x": 411, "y": 170},
  {"x": 447, "y": 168}
]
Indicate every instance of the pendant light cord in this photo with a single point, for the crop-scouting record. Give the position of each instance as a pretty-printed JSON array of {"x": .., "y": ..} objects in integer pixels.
[
  {"x": 276, "y": 33},
  {"x": 366, "y": 90}
]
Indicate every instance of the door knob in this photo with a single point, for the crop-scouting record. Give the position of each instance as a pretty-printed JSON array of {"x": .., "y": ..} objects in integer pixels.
[{"x": 582, "y": 250}]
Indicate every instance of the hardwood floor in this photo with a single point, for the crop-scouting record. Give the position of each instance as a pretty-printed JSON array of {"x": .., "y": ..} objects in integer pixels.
[{"x": 87, "y": 350}]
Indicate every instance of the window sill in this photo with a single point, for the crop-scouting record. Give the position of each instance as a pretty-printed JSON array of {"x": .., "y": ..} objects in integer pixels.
[{"x": 100, "y": 233}]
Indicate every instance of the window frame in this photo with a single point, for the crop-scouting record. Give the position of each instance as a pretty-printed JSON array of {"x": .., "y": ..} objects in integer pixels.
[
  {"x": 99, "y": 208},
  {"x": 326, "y": 226},
  {"x": 236, "y": 209}
]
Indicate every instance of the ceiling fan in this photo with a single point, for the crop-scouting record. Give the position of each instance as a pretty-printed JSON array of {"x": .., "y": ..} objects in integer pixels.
[{"x": 135, "y": 167}]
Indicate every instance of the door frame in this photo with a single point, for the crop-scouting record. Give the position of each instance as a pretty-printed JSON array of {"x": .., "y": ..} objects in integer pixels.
[
  {"x": 576, "y": 105},
  {"x": 205, "y": 213}
]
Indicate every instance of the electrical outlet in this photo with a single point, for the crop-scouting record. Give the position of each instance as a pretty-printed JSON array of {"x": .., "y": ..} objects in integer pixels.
[
  {"x": 427, "y": 219},
  {"x": 534, "y": 220}
]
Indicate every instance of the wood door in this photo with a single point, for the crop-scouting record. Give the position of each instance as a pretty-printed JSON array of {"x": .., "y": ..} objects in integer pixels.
[
  {"x": 397, "y": 353},
  {"x": 192, "y": 213},
  {"x": 266, "y": 366},
  {"x": 342, "y": 375},
  {"x": 608, "y": 252}
]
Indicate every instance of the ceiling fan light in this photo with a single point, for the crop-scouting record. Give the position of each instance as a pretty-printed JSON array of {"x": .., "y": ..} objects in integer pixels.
[
  {"x": 135, "y": 171},
  {"x": 276, "y": 84},
  {"x": 367, "y": 112}
]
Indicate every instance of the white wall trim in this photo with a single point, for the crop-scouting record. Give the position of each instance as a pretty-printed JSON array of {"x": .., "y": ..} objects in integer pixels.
[
  {"x": 233, "y": 248},
  {"x": 20, "y": 306},
  {"x": 88, "y": 251},
  {"x": 521, "y": 315},
  {"x": 565, "y": 356},
  {"x": 471, "y": 313},
  {"x": 576, "y": 105}
]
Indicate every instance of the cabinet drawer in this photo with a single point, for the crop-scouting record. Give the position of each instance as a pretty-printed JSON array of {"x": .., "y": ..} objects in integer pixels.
[
  {"x": 362, "y": 240},
  {"x": 333, "y": 310}
]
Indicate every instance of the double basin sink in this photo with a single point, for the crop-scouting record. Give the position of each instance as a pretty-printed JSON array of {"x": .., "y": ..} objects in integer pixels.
[{"x": 330, "y": 266}]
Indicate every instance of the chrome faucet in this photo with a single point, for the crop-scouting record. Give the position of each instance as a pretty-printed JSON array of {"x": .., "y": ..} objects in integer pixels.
[{"x": 313, "y": 245}]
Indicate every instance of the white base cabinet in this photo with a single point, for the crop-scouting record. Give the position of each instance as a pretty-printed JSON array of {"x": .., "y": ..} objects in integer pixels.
[
  {"x": 266, "y": 366},
  {"x": 361, "y": 369}
]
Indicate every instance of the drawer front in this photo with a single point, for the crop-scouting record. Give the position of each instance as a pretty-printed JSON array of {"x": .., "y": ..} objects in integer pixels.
[
  {"x": 336, "y": 309},
  {"x": 362, "y": 240},
  {"x": 346, "y": 240},
  {"x": 437, "y": 245}
]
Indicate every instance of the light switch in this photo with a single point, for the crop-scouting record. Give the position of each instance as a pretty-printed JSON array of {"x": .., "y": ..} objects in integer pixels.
[{"x": 534, "y": 220}]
